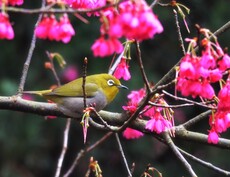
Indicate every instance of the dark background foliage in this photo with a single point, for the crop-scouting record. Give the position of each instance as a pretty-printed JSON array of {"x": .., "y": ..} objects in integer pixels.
[{"x": 30, "y": 145}]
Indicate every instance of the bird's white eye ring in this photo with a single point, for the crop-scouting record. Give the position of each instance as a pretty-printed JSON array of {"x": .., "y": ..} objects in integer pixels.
[{"x": 110, "y": 82}]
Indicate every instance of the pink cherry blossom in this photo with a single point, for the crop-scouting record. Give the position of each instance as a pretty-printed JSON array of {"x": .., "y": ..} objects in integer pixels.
[
  {"x": 220, "y": 124},
  {"x": 104, "y": 47},
  {"x": 50, "y": 28},
  {"x": 158, "y": 123},
  {"x": 12, "y": 2},
  {"x": 213, "y": 137},
  {"x": 130, "y": 133},
  {"x": 86, "y": 4},
  {"x": 122, "y": 70},
  {"x": 198, "y": 72},
  {"x": 44, "y": 28},
  {"x": 134, "y": 20},
  {"x": 137, "y": 95},
  {"x": 224, "y": 62},
  {"x": 65, "y": 29},
  {"x": 6, "y": 30},
  {"x": 224, "y": 98}
]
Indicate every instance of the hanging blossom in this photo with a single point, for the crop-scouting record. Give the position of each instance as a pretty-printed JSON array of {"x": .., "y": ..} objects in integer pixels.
[
  {"x": 220, "y": 120},
  {"x": 135, "y": 20},
  {"x": 12, "y": 2},
  {"x": 130, "y": 133},
  {"x": 50, "y": 28},
  {"x": 106, "y": 46},
  {"x": 122, "y": 70},
  {"x": 86, "y": 4},
  {"x": 6, "y": 30},
  {"x": 156, "y": 121},
  {"x": 197, "y": 73},
  {"x": 132, "y": 20}
]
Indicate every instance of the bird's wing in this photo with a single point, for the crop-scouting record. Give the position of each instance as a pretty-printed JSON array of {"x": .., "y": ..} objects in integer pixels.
[{"x": 74, "y": 90}]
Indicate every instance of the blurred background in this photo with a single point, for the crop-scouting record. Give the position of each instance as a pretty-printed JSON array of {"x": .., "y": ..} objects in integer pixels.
[{"x": 30, "y": 145}]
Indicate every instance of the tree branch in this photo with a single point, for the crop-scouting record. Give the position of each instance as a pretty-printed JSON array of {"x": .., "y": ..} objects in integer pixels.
[
  {"x": 29, "y": 56},
  {"x": 170, "y": 143},
  {"x": 16, "y": 103}
]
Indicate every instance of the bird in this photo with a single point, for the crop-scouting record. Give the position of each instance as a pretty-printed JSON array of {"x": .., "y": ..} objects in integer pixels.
[{"x": 100, "y": 90}]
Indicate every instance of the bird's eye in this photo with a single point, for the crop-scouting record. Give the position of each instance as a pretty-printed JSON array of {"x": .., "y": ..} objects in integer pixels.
[{"x": 110, "y": 82}]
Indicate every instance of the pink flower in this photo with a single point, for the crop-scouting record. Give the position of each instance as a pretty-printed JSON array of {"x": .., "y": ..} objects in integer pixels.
[
  {"x": 134, "y": 98},
  {"x": 220, "y": 124},
  {"x": 131, "y": 107},
  {"x": 12, "y": 2},
  {"x": 207, "y": 59},
  {"x": 224, "y": 98},
  {"x": 158, "y": 123},
  {"x": 134, "y": 20},
  {"x": 27, "y": 97},
  {"x": 103, "y": 47},
  {"x": 122, "y": 70},
  {"x": 227, "y": 120},
  {"x": 70, "y": 74},
  {"x": 43, "y": 30},
  {"x": 224, "y": 62},
  {"x": 137, "y": 96},
  {"x": 65, "y": 29},
  {"x": 6, "y": 30},
  {"x": 197, "y": 73},
  {"x": 51, "y": 117},
  {"x": 50, "y": 28},
  {"x": 213, "y": 137},
  {"x": 86, "y": 4},
  {"x": 130, "y": 133}
]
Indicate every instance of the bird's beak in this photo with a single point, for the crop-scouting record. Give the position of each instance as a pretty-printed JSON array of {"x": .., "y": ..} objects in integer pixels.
[{"x": 122, "y": 86}]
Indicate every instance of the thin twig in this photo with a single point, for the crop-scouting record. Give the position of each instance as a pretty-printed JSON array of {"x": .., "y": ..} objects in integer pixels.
[
  {"x": 204, "y": 163},
  {"x": 179, "y": 32},
  {"x": 123, "y": 155},
  {"x": 112, "y": 69},
  {"x": 142, "y": 67},
  {"x": 178, "y": 154},
  {"x": 154, "y": 3},
  {"x": 64, "y": 147},
  {"x": 105, "y": 124},
  {"x": 67, "y": 126},
  {"x": 55, "y": 10},
  {"x": 84, "y": 81},
  {"x": 29, "y": 56},
  {"x": 53, "y": 69},
  {"x": 189, "y": 101},
  {"x": 222, "y": 29},
  {"x": 170, "y": 106},
  {"x": 83, "y": 152}
]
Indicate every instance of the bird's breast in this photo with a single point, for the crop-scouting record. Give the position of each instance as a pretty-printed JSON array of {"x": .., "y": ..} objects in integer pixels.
[{"x": 74, "y": 106}]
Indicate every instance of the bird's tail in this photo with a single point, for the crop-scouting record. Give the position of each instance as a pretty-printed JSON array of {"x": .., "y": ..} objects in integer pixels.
[{"x": 40, "y": 92}]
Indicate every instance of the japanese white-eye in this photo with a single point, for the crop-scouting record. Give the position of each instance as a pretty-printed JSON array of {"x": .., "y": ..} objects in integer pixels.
[{"x": 100, "y": 90}]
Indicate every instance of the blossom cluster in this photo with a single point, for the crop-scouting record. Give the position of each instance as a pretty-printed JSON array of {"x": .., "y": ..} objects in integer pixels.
[
  {"x": 156, "y": 121},
  {"x": 12, "y": 2},
  {"x": 84, "y": 4},
  {"x": 6, "y": 29},
  {"x": 52, "y": 29},
  {"x": 220, "y": 120},
  {"x": 198, "y": 72},
  {"x": 132, "y": 20}
]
